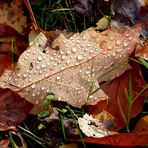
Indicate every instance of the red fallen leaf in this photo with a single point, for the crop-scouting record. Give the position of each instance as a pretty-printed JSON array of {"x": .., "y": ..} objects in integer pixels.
[
  {"x": 123, "y": 139},
  {"x": 4, "y": 143},
  {"x": 5, "y": 62},
  {"x": 19, "y": 46},
  {"x": 13, "y": 109},
  {"x": 6, "y": 30},
  {"x": 116, "y": 89}
]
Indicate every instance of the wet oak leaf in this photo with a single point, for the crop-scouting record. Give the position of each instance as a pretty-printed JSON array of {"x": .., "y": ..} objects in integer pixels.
[
  {"x": 116, "y": 90},
  {"x": 13, "y": 109},
  {"x": 71, "y": 73}
]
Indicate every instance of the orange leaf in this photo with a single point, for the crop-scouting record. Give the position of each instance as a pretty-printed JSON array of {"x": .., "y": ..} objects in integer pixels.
[
  {"x": 116, "y": 89},
  {"x": 13, "y": 109},
  {"x": 120, "y": 140},
  {"x": 142, "y": 125}
]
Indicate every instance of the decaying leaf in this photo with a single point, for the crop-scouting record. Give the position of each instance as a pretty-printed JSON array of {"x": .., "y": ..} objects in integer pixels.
[
  {"x": 13, "y": 109},
  {"x": 71, "y": 73},
  {"x": 11, "y": 13},
  {"x": 103, "y": 23},
  {"x": 107, "y": 119},
  {"x": 92, "y": 127}
]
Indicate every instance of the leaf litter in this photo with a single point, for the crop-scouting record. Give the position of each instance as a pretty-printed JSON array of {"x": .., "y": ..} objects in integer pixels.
[{"x": 72, "y": 67}]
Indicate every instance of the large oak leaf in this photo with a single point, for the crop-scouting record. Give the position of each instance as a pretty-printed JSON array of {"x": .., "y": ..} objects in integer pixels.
[{"x": 71, "y": 73}]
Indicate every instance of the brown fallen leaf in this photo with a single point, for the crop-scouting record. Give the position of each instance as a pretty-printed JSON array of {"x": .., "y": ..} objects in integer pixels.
[
  {"x": 13, "y": 109},
  {"x": 71, "y": 73}
]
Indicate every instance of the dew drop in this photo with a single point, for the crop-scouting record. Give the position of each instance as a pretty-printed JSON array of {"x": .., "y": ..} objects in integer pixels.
[
  {"x": 109, "y": 47},
  {"x": 59, "y": 98},
  {"x": 51, "y": 58},
  {"x": 33, "y": 86},
  {"x": 43, "y": 88},
  {"x": 33, "y": 95},
  {"x": 37, "y": 67},
  {"x": 25, "y": 75},
  {"x": 25, "y": 58},
  {"x": 87, "y": 72},
  {"x": 44, "y": 57},
  {"x": 63, "y": 57},
  {"x": 126, "y": 44},
  {"x": 130, "y": 38},
  {"x": 74, "y": 50},
  {"x": 61, "y": 52},
  {"x": 86, "y": 49},
  {"x": 118, "y": 42},
  {"x": 111, "y": 38},
  {"x": 68, "y": 52},
  {"x": 39, "y": 58},
  {"x": 80, "y": 57},
  {"x": 119, "y": 49},
  {"x": 58, "y": 78},
  {"x": 91, "y": 96},
  {"x": 91, "y": 51},
  {"x": 43, "y": 66},
  {"x": 67, "y": 62}
]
